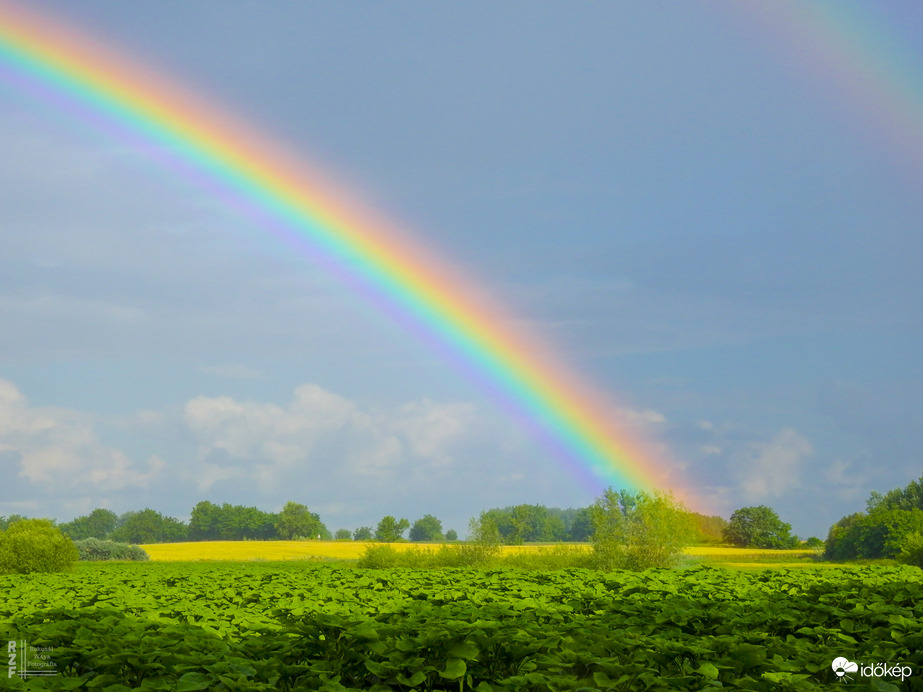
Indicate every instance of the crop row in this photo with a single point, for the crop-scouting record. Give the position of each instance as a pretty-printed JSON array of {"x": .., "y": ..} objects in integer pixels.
[{"x": 292, "y": 627}]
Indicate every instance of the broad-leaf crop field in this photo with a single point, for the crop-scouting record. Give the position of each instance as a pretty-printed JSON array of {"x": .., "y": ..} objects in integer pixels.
[{"x": 302, "y": 626}]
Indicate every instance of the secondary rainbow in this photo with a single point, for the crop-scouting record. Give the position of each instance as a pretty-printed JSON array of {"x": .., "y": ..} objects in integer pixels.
[{"x": 570, "y": 416}]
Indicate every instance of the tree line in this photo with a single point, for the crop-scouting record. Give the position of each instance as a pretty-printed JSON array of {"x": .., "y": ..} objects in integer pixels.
[
  {"x": 524, "y": 523},
  {"x": 891, "y": 527}
]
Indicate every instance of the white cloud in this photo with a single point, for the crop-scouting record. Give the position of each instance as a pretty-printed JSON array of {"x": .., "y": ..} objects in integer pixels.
[
  {"x": 58, "y": 450},
  {"x": 770, "y": 469},
  {"x": 324, "y": 434}
]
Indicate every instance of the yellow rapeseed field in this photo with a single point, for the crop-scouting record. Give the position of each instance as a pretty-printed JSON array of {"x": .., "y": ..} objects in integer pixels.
[
  {"x": 718, "y": 556},
  {"x": 259, "y": 550},
  {"x": 281, "y": 550}
]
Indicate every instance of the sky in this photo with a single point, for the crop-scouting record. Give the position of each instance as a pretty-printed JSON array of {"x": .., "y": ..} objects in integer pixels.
[{"x": 711, "y": 211}]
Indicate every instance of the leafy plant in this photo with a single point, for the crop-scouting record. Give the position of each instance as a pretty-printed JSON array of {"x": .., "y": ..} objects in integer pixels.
[
  {"x": 637, "y": 531},
  {"x": 94, "y": 550},
  {"x": 759, "y": 527},
  {"x": 35, "y": 545},
  {"x": 911, "y": 550}
]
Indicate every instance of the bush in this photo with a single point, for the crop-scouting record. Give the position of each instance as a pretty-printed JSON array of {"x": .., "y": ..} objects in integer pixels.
[
  {"x": 35, "y": 545},
  {"x": 636, "y": 531},
  {"x": 96, "y": 550},
  {"x": 379, "y": 557},
  {"x": 911, "y": 552}
]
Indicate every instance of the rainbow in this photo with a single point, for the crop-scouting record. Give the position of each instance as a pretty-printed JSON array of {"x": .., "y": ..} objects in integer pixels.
[{"x": 300, "y": 207}]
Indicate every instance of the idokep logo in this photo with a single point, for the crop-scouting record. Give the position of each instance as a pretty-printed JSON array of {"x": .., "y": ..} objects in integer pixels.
[{"x": 842, "y": 666}]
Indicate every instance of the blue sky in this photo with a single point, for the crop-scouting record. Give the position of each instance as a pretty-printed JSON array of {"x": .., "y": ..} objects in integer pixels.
[{"x": 697, "y": 221}]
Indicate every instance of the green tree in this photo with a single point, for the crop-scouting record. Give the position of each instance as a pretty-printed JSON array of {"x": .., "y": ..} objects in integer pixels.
[
  {"x": 636, "y": 531},
  {"x": 907, "y": 498},
  {"x": 391, "y": 530},
  {"x": 97, "y": 524},
  {"x": 451, "y": 535},
  {"x": 579, "y": 524},
  {"x": 295, "y": 521},
  {"x": 483, "y": 544},
  {"x": 148, "y": 526},
  {"x": 427, "y": 528},
  {"x": 363, "y": 533},
  {"x": 6, "y": 522},
  {"x": 911, "y": 549},
  {"x": 708, "y": 529},
  {"x": 35, "y": 545},
  {"x": 759, "y": 527},
  {"x": 204, "y": 522},
  {"x": 343, "y": 535}
]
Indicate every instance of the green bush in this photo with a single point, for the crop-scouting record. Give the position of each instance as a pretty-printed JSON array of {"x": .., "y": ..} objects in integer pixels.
[
  {"x": 379, "y": 557},
  {"x": 637, "y": 531},
  {"x": 35, "y": 545},
  {"x": 96, "y": 550},
  {"x": 911, "y": 551}
]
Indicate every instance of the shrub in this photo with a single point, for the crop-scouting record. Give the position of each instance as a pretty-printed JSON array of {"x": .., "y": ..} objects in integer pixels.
[
  {"x": 379, "y": 557},
  {"x": 35, "y": 545},
  {"x": 636, "y": 531},
  {"x": 911, "y": 552},
  {"x": 96, "y": 550}
]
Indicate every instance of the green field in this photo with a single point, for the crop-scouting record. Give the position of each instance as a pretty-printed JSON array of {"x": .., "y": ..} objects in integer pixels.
[{"x": 307, "y": 626}]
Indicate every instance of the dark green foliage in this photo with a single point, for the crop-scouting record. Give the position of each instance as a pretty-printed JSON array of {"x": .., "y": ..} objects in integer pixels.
[
  {"x": 427, "y": 528},
  {"x": 211, "y": 522},
  {"x": 451, "y": 535},
  {"x": 296, "y": 521},
  {"x": 759, "y": 527},
  {"x": 909, "y": 497},
  {"x": 391, "y": 530},
  {"x": 35, "y": 545},
  {"x": 343, "y": 535},
  {"x": 363, "y": 533},
  {"x": 814, "y": 542},
  {"x": 528, "y": 523},
  {"x": 6, "y": 522},
  {"x": 95, "y": 550},
  {"x": 878, "y": 534},
  {"x": 287, "y": 627},
  {"x": 148, "y": 526},
  {"x": 97, "y": 524}
]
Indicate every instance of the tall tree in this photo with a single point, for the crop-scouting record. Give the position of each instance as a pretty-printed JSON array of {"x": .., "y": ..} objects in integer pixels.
[
  {"x": 391, "y": 530},
  {"x": 295, "y": 521},
  {"x": 97, "y": 524},
  {"x": 427, "y": 528}
]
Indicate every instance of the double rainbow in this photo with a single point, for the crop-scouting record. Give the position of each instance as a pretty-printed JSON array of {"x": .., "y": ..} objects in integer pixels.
[{"x": 571, "y": 417}]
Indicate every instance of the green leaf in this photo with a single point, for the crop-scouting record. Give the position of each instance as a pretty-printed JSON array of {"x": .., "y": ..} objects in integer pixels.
[
  {"x": 454, "y": 669},
  {"x": 464, "y": 650},
  {"x": 708, "y": 670},
  {"x": 193, "y": 681}
]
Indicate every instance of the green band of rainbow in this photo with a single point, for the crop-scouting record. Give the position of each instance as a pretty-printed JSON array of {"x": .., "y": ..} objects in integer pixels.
[{"x": 571, "y": 414}]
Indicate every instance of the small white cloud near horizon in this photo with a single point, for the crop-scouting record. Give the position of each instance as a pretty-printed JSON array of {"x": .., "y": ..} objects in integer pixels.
[{"x": 773, "y": 468}]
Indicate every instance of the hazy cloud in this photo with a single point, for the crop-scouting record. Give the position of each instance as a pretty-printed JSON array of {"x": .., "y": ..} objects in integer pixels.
[
  {"x": 772, "y": 468},
  {"x": 58, "y": 451}
]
